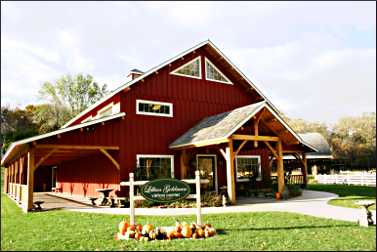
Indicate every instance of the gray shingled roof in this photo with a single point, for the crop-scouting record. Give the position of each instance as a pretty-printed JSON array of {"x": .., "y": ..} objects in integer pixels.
[
  {"x": 318, "y": 141},
  {"x": 219, "y": 126}
]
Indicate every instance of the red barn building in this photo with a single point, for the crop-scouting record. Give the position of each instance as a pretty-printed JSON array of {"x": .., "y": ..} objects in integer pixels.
[{"x": 194, "y": 111}]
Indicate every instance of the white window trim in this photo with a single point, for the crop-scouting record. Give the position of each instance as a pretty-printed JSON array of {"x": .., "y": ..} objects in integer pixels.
[
  {"x": 209, "y": 155},
  {"x": 154, "y": 102},
  {"x": 213, "y": 65},
  {"x": 138, "y": 156},
  {"x": 174, "y": 72},
  {"x": 87, "y": 119},
  {"x": 105, "y": 108},
  {"x": 259, "y": 178}
]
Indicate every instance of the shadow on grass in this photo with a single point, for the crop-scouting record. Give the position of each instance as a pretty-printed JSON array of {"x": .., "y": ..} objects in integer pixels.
[{"x": 284, "y": 228}]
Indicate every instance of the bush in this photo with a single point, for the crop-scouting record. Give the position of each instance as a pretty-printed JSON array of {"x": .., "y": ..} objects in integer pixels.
[{"x": 294, "y": 190}]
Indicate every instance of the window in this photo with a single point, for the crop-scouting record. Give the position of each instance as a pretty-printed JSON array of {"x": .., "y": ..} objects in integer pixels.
[
  {"x": 154, "y": 166},
  {"x": 87, "y": 119},
  {"x": 191, "y": 69},
  {"x": 108, "y": 110},
  {"x": 214, "y": 74},
  {"x": 155, "y": 108},
  {"x": 247, "y": 166}
]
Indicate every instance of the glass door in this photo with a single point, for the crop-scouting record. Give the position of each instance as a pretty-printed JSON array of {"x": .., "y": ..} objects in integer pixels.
[{"x": 206, "y": 164}]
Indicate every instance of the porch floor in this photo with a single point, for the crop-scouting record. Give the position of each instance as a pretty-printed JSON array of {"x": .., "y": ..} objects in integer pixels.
[{"x": 54, "y": 203}]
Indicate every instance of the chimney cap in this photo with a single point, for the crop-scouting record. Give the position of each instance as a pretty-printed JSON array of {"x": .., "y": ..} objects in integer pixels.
[{"x": 137, "y": 71}]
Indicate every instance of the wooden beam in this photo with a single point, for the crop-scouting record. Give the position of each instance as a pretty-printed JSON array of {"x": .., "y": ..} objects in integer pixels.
[
  {"x": 111, "y": 158},
  {"x": 183, "y": 161},
  {"x": 255, "y": 138},
  {"x": 42, "y": 159},
  {"x": 240, "y": 147},
  {"x": 76, "y": 147},
  {"x": 305, "y": 170},
  {"x": 272, "y": 149},
  {"x": 256, "y": 126},
  {"x": 280, "y": 167},
  {"x": 231, "y": 188},
  {"x": 30, "y": 180},
  {"x": 223, "y": 153}
]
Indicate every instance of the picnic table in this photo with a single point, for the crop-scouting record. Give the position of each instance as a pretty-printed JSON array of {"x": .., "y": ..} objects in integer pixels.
[{"x": 105, "y": 192}]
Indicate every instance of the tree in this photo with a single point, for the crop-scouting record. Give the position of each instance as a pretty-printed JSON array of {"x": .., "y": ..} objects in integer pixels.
[
  {"x": 16, "y": 124},
  {"x": 302, "y": 126},
  {"x": 65, "y": 99},
  {"x": 354, "y": 138}
]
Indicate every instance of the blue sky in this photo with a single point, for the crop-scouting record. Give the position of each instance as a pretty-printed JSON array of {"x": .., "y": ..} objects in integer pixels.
[{"x": 313, "y": 60}]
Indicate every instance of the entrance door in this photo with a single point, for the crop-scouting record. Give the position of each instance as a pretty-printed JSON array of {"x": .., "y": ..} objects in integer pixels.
[
  {"x": 54, "y": 177},
  {"x": 206, "y": 164}
]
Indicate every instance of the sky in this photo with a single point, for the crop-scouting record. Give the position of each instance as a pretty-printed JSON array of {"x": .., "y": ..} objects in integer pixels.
[{"x": 313, "y": 60}]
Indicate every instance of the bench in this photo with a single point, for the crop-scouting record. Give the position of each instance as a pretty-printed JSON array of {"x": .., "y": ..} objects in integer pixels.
[
  {"x": 92, "y": 199},
  {"x": 121, "y": 201},
  {"x": 38, "y": 203},
  {"x": 56, "y": 189}
]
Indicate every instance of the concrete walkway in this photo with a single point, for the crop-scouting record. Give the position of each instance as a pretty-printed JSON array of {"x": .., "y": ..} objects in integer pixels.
[{"x": 312, "y": 203}]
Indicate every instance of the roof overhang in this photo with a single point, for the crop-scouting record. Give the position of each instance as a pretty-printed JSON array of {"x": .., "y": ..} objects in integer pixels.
[
  {"x": 22, "y": 145},
  {"x": 225, "y": 138}
]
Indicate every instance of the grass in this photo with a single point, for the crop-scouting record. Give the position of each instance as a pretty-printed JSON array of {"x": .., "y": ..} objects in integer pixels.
[
  {"x": 348, "y": 194},
  {"x": 64, "y": 230}
]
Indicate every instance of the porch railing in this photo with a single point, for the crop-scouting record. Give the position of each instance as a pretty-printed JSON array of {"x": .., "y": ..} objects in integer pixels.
[{"x": 291, "y": 179}]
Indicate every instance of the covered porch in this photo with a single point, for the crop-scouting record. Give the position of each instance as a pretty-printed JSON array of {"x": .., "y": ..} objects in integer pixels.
[
  {"x": 29, "y": 157},
  {"x": 251, "y": 129}
]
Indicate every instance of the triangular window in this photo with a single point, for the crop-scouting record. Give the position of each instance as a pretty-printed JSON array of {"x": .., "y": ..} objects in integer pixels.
[
  {"x": 214, "y": 74},
  {"x": 190, "y": 69}
]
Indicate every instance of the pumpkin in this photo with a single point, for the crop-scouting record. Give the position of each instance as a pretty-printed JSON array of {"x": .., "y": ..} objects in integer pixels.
[
  {"x": 195, "y": 236},
  {"x": 148, "y": 227},
  {"x": 131, "y": 228},
  {"x": 123, "y": 225},
  {"x": 170, "y": 235},
  {"x": 152, "y": 235},
  {"x": 177, "y": 235},
  {"x": 200, "y": 232},
  {"x": 139, "y": 227},
  {"x": 211, "y": 231},
  {"x": 138, "y": 236},
  {"x": 186, "y": 231}
]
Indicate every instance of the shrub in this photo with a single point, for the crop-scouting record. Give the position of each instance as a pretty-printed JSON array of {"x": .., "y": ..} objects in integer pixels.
[{"x": 294, "y": 190}]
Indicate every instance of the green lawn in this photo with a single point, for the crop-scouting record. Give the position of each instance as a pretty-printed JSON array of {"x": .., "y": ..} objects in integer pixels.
[
  {"x": 63, "y": 230},
  {"x": 348, "y": 194}
]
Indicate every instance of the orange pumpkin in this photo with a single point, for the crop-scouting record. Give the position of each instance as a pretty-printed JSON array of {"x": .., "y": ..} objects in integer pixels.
[
  {"x": 123, "y": 225},
  {"x": 186, "y": 231},
  {"x": 177, "y": 235},
  {"x": 200, "y": 232},
  {"x": 139, "y": 227}
]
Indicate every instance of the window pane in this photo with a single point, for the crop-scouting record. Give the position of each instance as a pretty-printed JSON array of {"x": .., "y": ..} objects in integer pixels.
[
  {"x": 192, "y": 69},
  {"x": 154, "y": 108},
  {"x": 152, "y": 168},
  {"x": 247, "y": 167}
]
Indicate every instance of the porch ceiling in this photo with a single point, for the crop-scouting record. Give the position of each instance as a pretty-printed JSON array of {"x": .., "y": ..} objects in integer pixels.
[{"x": 51, "y": 154}]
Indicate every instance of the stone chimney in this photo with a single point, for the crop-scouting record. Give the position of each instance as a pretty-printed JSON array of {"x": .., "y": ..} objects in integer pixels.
[{"x": 134, "y": 73}]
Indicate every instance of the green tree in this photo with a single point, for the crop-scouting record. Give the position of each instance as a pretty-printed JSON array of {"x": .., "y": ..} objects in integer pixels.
[
  {"x": 354, "y": 138},
  {"x": 65, "y": 99},
  {"x": 16, "y": 124}
]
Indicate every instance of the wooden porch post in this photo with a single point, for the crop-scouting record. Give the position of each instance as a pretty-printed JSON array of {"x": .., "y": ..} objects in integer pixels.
[
  {"x": 30, "y": 179},
  {"x": 6, "y": 180},
  {"x": 280, "y": 168},
  {"x": 183, "y": 160},
  {"x": 305, "y": 170},
  {"x": 230, "y": 172}
]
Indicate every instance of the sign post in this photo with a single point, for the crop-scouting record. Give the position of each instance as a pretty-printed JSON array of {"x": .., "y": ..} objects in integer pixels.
[
  {"x": 132, "y": 207},
  {"x": 198, "y": 204}
]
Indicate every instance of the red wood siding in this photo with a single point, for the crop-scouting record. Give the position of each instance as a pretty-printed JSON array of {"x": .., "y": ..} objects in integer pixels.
[
  {"x": 192, "y": 99},
  {"x": 85, "y": 175}
]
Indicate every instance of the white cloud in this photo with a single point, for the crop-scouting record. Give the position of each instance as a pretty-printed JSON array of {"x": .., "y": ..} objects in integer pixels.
[{"x": 314, "y": 60}]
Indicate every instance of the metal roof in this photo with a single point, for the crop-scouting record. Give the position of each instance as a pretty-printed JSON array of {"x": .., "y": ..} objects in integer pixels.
[
  {"x": 20, "y": 144},
  {"x": 318, "y": 141}
]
